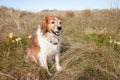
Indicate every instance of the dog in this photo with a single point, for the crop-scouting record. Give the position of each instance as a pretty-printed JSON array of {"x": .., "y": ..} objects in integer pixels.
[{"x": 46, "y": 42}]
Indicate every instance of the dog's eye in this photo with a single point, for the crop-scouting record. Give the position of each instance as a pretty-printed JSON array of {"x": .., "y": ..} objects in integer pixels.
[
  {"x": 52, "y": 22},
  {"x": 60, "y": 22}
]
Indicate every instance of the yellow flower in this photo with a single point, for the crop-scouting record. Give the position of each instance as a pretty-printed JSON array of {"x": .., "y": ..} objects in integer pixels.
[
  {"x": 19, "y": 38},
  {"x": 13, "y": 41},
  {"x": 29, "y": 36},
  {"x": 10, "y": 35}
]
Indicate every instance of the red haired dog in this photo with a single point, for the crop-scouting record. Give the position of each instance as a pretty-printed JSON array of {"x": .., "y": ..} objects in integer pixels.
[{"x": 46, "y": 43}]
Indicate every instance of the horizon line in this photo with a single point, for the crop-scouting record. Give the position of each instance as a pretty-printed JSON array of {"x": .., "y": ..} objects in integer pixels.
[{"x": 57, "y": 9}]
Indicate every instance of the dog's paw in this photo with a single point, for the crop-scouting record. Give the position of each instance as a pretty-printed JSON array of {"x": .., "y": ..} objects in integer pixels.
[{"x": 59, "y": 68}]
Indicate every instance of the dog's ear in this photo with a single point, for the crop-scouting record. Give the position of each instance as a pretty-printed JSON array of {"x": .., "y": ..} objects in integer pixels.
[
  {"x": 59, "y": 18},
  {"x": 43, "y": 24}
]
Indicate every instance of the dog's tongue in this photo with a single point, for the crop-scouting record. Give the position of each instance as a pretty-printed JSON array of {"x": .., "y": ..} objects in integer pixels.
[{"x": 57, "y": 33}]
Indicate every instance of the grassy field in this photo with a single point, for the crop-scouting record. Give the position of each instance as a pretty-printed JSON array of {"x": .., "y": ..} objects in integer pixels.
[{"x": 90, "y": 45}]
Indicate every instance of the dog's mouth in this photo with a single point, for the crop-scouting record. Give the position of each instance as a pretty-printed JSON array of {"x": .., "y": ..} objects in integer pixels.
[{"x": 57, "y": 33}]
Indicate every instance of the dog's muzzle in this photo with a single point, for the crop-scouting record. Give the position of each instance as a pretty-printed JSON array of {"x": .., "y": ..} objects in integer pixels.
[{"x": 57, "y": 33}]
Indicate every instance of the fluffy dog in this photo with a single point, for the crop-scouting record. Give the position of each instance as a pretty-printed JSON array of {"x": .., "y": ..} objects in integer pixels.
[{"x": 46, "y": 42}]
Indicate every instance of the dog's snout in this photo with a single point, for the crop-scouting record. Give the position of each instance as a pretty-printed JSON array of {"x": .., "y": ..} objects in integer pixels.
[{"x": 59, "y": 28}]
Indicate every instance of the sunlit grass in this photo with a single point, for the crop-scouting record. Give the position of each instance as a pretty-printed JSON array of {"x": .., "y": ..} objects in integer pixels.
[{"x": 90, "y": 46}]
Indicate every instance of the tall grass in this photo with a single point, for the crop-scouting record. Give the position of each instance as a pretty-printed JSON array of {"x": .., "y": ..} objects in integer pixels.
[{"x": 89, "y": 48}]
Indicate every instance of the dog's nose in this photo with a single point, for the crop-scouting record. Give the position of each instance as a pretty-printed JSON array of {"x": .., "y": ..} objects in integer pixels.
[{"x": 59, "y": 28}]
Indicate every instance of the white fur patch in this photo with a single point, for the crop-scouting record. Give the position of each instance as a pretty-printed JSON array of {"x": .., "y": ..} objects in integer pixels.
[{"x": 47, "y": 48}]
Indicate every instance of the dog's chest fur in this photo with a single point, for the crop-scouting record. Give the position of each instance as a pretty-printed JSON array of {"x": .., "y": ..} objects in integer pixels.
[{"x": 47, "y": 46}]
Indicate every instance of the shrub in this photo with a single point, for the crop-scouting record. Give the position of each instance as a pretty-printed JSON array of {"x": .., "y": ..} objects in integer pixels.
[
  {"x": 86, "y": 13},
  {"x": 70, "y": 14}
]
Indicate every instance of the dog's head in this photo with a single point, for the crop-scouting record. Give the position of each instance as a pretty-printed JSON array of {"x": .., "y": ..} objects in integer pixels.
[{"x": 51, "y": 24}]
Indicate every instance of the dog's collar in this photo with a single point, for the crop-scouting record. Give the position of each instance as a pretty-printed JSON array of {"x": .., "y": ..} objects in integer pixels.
[{"x": 54, "y": 43}]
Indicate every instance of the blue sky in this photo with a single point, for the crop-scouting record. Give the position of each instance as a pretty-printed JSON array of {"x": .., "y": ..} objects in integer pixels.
[{"x": 37, "y": 5}]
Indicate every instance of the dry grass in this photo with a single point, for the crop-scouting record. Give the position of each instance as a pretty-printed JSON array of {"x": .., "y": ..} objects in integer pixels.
[{"x": 87, "y": 53}]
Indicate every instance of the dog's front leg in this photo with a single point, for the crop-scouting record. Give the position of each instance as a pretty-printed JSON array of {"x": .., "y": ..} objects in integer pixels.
[
  {"x": 58, "y": 67},
  {"x": 43, "y": 63}
]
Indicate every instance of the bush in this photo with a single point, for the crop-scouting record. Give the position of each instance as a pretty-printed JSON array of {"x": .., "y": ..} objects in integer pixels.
[
  {"x": 70, "y": 14},
  {"x": 86, "y": 13}
]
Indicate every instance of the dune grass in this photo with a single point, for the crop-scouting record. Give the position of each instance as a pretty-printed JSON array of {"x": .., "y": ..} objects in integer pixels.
[{"x": 89, "y": 48}]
